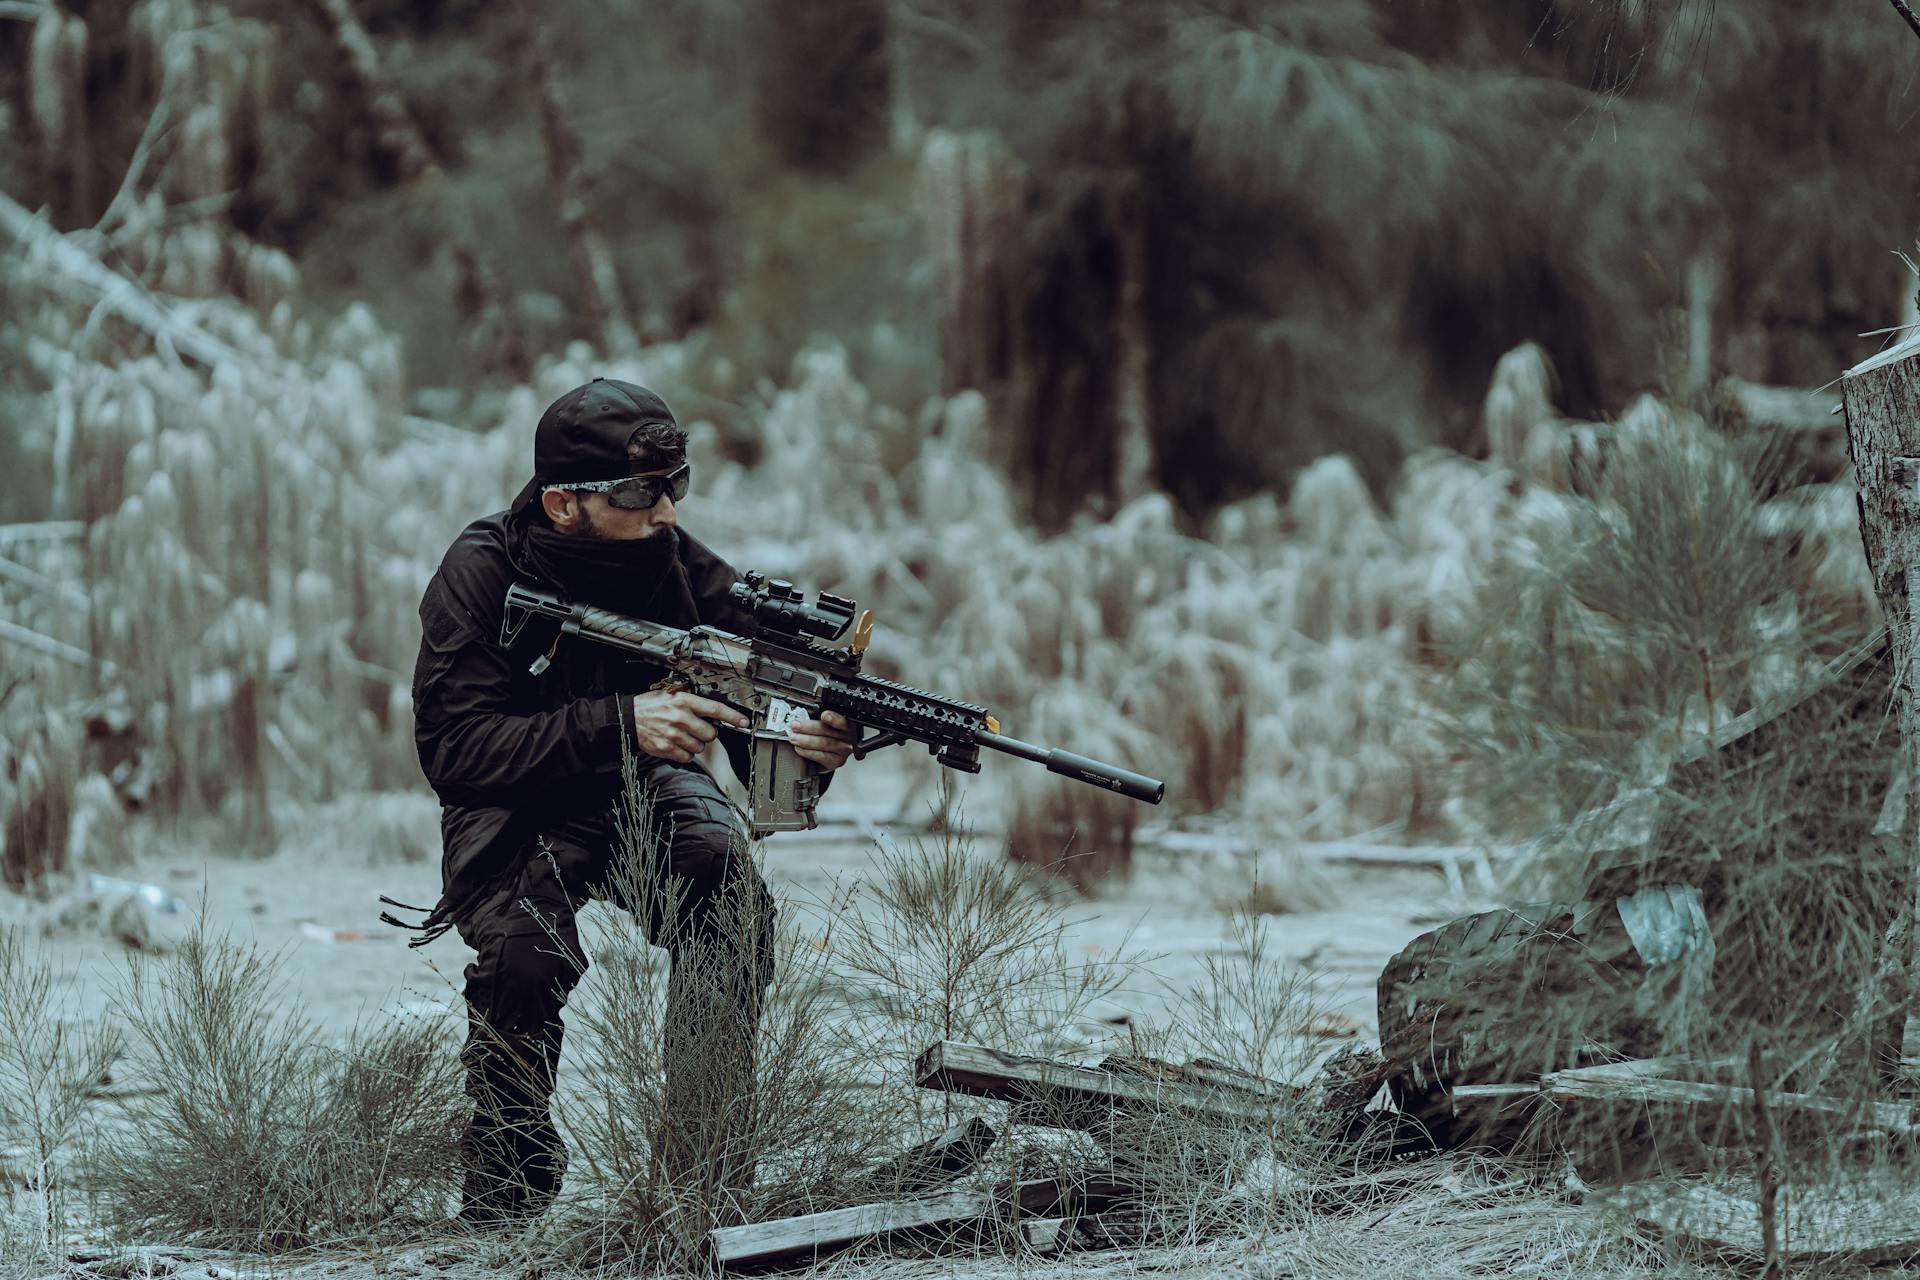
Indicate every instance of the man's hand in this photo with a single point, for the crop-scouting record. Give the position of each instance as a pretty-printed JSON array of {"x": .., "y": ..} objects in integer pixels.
[
  {"x": 676, "y": 725},
  {"x": 828, "y": 741}
]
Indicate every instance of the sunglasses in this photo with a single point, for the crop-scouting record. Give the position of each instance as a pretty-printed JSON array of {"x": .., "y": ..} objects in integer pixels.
[{"x": 638, "y": 493}]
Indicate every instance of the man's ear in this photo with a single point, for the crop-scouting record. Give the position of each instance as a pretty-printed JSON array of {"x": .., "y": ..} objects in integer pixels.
[{"x": 561, "y": 505}]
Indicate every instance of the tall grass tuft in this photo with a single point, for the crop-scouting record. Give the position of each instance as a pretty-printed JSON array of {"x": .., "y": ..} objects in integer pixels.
[
  {"x": 47, "y": 1066},
  {"x": 254, "y": 1133},
  {"x": 948, "y": 945}
]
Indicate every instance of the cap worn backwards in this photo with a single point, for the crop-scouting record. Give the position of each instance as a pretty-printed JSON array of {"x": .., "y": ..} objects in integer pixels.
[{"x": 588, "y": 434}]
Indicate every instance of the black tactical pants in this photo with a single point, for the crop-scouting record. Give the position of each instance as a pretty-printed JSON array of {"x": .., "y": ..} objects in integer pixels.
[{"x": 697, "y": 896}]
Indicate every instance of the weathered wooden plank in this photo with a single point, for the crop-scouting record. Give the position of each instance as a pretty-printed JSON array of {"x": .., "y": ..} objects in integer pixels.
[
  {"x": 813, "y": 1234},
  {"x": 1047, "y": 1235},
  {"x": 1209, "y": 1075},
  {"x": 1075, "y": 1093}
]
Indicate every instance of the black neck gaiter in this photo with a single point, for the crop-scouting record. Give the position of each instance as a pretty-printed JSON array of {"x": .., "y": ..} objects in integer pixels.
[{"x": 619, "y": 574}]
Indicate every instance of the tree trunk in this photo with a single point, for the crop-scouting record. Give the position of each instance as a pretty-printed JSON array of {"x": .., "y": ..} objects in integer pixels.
[
  {"x": 57, "y": 103},
  {"x": 975, "y": 192},
  {"x": 566, "y": 169},
  {"x": 497, "y": 336},
  {"x": 1881, "y": 397},
  {"x": 1133, "y": 462},
  {"x": 1704, "y": 274}
]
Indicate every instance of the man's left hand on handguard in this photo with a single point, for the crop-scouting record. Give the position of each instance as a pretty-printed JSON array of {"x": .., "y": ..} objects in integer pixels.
[{"x": 827, "y": 742}]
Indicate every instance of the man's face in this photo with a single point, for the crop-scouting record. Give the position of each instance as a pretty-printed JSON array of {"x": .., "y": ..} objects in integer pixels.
[{"x": 590, "y": 515}]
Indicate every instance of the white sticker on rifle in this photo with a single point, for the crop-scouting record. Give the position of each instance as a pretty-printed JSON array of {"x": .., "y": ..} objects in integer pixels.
[{"x": 782, "y": 715}]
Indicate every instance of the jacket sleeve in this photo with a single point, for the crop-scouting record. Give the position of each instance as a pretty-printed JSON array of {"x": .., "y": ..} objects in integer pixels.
[{"x": 472, "y": 750}]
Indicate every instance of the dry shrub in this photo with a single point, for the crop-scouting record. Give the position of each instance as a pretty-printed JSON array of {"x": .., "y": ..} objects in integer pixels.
[
  {"x": 1274, "y": 882},
  {"x": 1080, "y": 832},
  {"x": 937, "y": 941},
  {"x": 253, "y": 1133},
  {"x": 1670, "y": 644},
  {"x": 47, "y": 1065},
  {"x": 1203, "y": 1178},
  {"x": 1618, "y": 627},
  {"x": 948, "y": 945},
  {"x": 1519, "y": 399},
  {"x": 372, "y": 829},
  {"x": 260, "y": 536},
  {"x": 685, "y": 1120}
]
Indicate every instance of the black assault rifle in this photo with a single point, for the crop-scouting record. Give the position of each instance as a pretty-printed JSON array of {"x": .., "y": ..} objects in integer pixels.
[{"x": 782, "y": 672}]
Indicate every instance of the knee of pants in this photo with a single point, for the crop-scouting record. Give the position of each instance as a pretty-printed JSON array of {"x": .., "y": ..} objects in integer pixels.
[{"x": 522, "y": 979}]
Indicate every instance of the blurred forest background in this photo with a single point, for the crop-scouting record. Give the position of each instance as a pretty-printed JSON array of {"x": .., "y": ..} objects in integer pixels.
[{"x": 1204, "y": 382}]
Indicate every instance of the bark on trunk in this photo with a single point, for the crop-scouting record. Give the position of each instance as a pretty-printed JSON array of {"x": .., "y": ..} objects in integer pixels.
[
  {"x": 566, "y": 169},
  {"x": 1133, "y": 462},
  {"x": 1881, "y": 397},
  {"x": 975, "y": 192}
]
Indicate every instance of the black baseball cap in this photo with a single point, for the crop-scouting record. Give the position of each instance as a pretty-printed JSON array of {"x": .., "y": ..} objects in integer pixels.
[{"x": 585, "y": 433}]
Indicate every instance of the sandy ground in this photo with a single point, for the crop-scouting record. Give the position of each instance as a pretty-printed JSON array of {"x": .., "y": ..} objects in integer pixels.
[{"x": 314, "y": 904}]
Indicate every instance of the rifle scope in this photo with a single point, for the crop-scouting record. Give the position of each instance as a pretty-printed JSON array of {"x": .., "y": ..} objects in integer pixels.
[{"x": 777, "y": 605}]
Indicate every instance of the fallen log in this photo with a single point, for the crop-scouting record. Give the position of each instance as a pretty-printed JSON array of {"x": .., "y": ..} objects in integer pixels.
[
  {"x": 810, "y": 1235},
  {"x": 1648, "y": 1082},
  {"x": 1783, "y": 408},
  {"x": 42, "y": 531},
  {"x": 1079, "y": 1095},
  {"x": 1862, "y": 1225}
]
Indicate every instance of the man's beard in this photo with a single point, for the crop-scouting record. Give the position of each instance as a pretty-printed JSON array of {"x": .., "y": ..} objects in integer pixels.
[
  {"x": 622, "y": 574},
  {"x": 592, "y": 528}
]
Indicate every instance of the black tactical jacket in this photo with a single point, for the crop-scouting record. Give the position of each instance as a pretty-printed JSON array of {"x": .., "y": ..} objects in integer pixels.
[{"x": 508, "y": 752}]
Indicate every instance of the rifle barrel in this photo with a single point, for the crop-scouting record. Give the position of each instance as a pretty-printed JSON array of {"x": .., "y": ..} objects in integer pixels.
[{"x": 1137, "y": 786}]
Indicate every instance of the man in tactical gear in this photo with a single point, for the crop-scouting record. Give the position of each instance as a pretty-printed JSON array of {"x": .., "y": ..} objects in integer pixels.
[{"x": 523, "y": 742}]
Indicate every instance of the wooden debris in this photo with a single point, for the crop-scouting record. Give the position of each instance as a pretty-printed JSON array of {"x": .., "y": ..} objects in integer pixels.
[
  {"x": 1080, "y": 1095},
  {"x": 813, "y": 1234},
  {"x": 939, "y": 1159},
  {"x": 1449, "y": 859},
  {"x": 1347, "y": 1081},
  {"x": 1047, "y": 1235}
]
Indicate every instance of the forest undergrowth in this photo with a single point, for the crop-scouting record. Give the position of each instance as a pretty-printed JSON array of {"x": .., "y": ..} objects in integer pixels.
[{"x": 234, "y": 627}]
